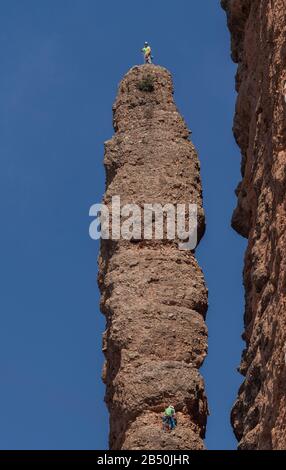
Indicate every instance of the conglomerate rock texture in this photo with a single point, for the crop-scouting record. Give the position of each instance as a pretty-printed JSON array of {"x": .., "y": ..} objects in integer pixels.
[
  {"x": 153, "y": 294},
  {"x": 258, "y": 29}
]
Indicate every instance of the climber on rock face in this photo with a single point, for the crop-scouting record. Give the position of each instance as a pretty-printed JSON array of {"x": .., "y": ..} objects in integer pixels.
[
  {"x": 147, "y": 53},
  {"x": 169, "y": 419}
]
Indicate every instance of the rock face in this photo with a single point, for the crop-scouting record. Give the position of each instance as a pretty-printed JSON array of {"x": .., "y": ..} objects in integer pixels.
[
  {"x": 258, "y": 30},
  {"x": 153, "y": 294}
]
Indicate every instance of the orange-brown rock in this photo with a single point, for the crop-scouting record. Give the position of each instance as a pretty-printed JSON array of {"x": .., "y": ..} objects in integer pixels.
[
  {"x": 153, "y": 294},
  {"x": 258, "y": 29}
]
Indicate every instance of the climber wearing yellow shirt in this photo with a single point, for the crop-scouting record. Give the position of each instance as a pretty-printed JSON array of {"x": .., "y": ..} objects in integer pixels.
[{"x": 147, "y": 53}]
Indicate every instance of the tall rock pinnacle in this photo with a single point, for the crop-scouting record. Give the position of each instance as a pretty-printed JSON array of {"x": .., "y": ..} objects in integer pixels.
[
  {"x": 258, "y": 30},
  {"x": 153, "y": 294}
]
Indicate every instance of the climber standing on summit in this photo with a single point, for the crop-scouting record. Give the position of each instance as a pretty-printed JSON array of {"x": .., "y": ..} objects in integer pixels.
[{"x": 147, "y": 53}]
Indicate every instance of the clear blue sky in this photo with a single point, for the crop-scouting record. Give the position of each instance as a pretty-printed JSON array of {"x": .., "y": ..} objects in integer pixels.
[{"x": 61, "y": 62}]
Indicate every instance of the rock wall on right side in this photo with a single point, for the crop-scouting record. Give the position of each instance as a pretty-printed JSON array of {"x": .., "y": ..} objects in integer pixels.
[{"x": 258, "y": 36}]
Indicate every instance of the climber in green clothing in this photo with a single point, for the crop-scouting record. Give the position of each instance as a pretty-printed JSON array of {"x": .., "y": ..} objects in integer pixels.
[{"x": 169, "y": 419}]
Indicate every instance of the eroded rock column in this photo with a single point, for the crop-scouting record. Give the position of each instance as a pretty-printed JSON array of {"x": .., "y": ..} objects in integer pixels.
[
  {"x": 258, "y": 29},
  {"x": 153, "y": 294}
]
